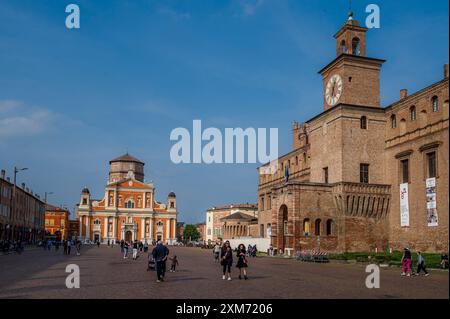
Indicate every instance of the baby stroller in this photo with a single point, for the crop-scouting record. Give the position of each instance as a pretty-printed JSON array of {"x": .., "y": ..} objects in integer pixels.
[{"x": 151, "y": 263}]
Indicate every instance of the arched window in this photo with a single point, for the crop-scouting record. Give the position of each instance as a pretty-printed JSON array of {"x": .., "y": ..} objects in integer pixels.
[
  {"x": 296, "y": 161},
  {"x": 343, "y": 47},
  {"x": 329, "y": 227},
  {"x": 356, "y": 46},
  {"x": 435, "y": 103},
  {"x": 393, "y": 121},
  {"x": 306, "y": 226},
  {"x": 129, "y": 203},
  {"x": 413, "y": 113},
  {"x": 96, "y": 222},
  {"x": 317, "y": 226},
  {"x": 363, "y": 123}
]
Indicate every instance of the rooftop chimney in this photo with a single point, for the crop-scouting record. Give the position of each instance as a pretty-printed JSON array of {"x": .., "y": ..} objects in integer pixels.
[
  {"x": 403, "y": 93},
  {"x": 445, "y": 71},
  {"x": 23, "y": 185},
  {"x": 3, "y": 174}
]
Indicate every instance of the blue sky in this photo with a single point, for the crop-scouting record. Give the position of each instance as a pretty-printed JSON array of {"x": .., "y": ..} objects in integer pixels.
[{"x": 71, "y": 100}]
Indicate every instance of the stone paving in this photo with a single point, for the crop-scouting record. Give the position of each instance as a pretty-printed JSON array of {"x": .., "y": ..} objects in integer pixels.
[{"x": 105, "y": 274}]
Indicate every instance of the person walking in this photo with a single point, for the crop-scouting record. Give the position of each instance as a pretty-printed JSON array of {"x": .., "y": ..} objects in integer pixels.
[
  {"x": 65, "y": 247},
  {"x": 145, "y": 247},
  {"x": 406, "y": 262},
  {"x": 135, "y": 249},
  {"x": 174, "y": 264},
  {"x": 216, "y": 251},
  {"x": 78, "y": 246},
  {"x": 69, "y": 246},
  {"x": 227, "y": 260},
  {"x": 242, "y": 261},
  {"x": 160, "y": 253},
  {"x": 421, "y": 264},
  {"x": 125, "y": 250},
  {"x": 122, "y": 246}
]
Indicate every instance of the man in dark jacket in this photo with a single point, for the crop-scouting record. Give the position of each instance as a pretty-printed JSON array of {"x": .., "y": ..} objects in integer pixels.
[{"x": 160, "y": 253}]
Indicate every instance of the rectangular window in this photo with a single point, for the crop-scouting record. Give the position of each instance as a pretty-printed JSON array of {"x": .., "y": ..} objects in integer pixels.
[
  {"x": 364, "y": 173},
  {"x": 404, "y": 166},
  {"x": 262, "y": 203},
  {"x": 262, "y": 230},
  {"x": 325, "y": 175},
  {"x": 431, "y": 162}
]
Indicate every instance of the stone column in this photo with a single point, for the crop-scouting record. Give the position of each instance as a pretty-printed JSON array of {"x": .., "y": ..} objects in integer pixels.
[
  {"x": 151, "y": 229},
  {"x": 143, "y": 229},
  {"x": 80, "y": 234},
  {"x": 106, "y": 221},
  {"x": 174, "y": 229},
  {"x": 114, "y": 229},
  {"x": 167, "y": 229},
  {"x": 88, "y": 230}
]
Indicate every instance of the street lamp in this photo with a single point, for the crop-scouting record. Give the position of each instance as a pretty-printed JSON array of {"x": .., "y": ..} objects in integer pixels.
[
  {"x": 16, "y": 170},
  {"x": 45, "y": 196}
]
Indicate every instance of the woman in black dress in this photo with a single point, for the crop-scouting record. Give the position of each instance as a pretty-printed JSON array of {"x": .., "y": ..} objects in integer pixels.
[{"x": 242, "y": 261}]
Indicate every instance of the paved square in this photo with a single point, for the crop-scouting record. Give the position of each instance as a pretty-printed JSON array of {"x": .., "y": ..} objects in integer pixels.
[{"x": 105, "y": 274}]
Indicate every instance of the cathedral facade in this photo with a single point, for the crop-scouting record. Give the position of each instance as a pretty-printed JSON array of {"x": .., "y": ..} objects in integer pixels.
[
  {"x": 128, "y": 210},
  {"x": 362, "y": 177}
]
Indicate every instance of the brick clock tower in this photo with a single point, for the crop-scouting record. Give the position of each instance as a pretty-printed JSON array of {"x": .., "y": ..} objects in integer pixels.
[{"x": 351, "y": 78}]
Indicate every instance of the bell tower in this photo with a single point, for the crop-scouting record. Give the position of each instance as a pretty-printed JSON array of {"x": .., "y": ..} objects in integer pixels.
[{"x": 352, "y": 77}]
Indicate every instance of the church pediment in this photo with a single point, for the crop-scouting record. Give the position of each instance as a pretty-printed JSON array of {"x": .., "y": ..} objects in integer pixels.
[{"x": 131, "y": 183}]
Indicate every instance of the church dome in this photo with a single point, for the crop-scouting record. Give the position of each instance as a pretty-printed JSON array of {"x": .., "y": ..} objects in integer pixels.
[
  {"x": 126, "y": 158},
  {"x": 172, "y": 194},
  {"x": 85, "y": 191},
  {"x": 120, "y": 168}
]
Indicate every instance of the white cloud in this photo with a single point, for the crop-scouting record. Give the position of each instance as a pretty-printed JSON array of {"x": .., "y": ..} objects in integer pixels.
[
  {"x": 249, "y": 7},
  {"x": 8, "y": 105},
  {"x": 18, "y": 119},
  {"x": 174, "y": 14}
]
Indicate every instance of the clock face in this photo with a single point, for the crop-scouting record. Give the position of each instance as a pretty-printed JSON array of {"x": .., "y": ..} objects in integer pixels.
[{"x": 334, "y": 90}]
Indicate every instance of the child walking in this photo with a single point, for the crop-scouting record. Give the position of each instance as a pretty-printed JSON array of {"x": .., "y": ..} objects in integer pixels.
[
  {"x": 421, "y": 264},
  {"x": 174, "y": 265}
]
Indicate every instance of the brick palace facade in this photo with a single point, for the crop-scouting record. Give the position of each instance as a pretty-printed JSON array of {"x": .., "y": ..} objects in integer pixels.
[{"x": 362, "y": 177}]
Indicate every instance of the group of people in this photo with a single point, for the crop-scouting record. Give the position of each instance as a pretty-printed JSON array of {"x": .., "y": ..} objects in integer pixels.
[
  {"x": 7, "y": 246},
  {"x": 135, "y": 246},
  {"x": 407, "y": 261},
  {"x": 225, "y": 253},
  {"x": 252, "y": 250},
  {"x": 66, "y": 244}
]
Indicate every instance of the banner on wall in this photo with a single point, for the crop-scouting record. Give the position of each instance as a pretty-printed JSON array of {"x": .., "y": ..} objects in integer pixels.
[
  {"x": 432, "y": 216},
  {"x": 404, "y": 205}
]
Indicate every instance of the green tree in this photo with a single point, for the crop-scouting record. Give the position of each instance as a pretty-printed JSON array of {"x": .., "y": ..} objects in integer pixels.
[{"x": 191, "y": 232}]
